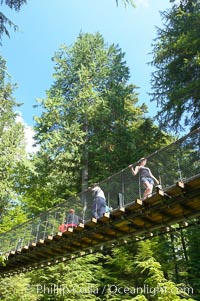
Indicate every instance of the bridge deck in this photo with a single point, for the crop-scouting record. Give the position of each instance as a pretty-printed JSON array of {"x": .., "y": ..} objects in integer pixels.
[{"x": 137, "y": 220}]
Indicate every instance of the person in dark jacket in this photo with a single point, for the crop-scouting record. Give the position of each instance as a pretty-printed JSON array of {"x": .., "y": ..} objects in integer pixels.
[{"x": 72, "y": 219}]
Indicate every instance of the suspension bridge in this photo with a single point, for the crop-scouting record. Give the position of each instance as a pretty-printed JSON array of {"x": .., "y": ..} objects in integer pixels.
[{"x": 173, "y": 206}]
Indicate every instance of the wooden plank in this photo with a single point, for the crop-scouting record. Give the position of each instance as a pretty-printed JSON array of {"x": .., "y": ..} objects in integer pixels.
[
  {"x": 40, "y": 242},
  {"x": 154, "y": 217},
  {"x": 180, "y": 184},
  {"x": 58, "y": 235},
  {"x": 154, "y": 199},
  {"x": 88, "y": 242},
  {"x": 138, "y": 222},
  {"x": 174, "y": 190},
  {"x": 117, "y": 212},
  {"x": 68, "y": 232},
  {"x": 80, "y": 227},
  {"x": 194, "y": 204},
  {"x": 91, "y": 223},
  {"x": 105, "y": 218},
  {"x": 193, "y": 182},
  {"x": 109, "y": 233},
  {"x": 174, "y": 211},
  {"x": 137, "y": 204}
]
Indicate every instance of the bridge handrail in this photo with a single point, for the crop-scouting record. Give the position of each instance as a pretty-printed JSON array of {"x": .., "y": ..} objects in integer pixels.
[{"x": 175, "y": 162}]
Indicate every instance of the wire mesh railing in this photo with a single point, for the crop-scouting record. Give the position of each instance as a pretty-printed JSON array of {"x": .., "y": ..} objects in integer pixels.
[{"x": 176, "y": 162}]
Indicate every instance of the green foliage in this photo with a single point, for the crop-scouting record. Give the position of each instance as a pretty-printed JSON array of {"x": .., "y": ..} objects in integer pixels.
[
  {"x": 12, "y": 216},
  {"x": 171, "y": 251},
  {"x": 12, "y": 143},
  {"x": 193, "y": 236},
  {"x": 151, "y": 275},
  {"x": 76, "y": 280},
  {"x": 149, "y": 138},
  {"x": 137, "y": 298},
  {"x": 12, "y": 4},
  {"x": 88, "y": 122},
  {"x": 179, "y": 257},
  {"x": 3, "y": 259},
  {"x": 176, "y": 80},
  {"x": 17, "y": 288},
  {"x": 90, "y": 125},
  {"x": 131, "y": 2}
]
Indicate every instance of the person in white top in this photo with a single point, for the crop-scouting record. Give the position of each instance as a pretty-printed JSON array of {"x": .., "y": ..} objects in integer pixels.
[{"x": 99, "y": 202}]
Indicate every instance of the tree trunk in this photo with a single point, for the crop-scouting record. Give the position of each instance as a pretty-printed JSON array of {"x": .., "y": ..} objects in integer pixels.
[
  {"x": 184, "y": 245},
  {"x": 84, "y": 184},
  {"x": 174, "y": 256}
]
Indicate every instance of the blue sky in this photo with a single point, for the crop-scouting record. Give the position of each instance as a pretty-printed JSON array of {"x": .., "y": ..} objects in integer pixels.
[{"x": 47, "y": 24}]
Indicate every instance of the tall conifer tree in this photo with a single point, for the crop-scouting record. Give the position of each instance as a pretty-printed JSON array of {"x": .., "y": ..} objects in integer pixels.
[
  {"x": 12, "y": 143},
  {"x": 176, "y": 79},
  {"x": 86, "y": 130}
]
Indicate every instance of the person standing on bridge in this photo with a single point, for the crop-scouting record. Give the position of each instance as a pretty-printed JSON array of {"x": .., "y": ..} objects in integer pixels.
[
  {"x": 146, "y": 177},
  {"x": 99, "y": 202},
  {"x": 72, "y": 219}
]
